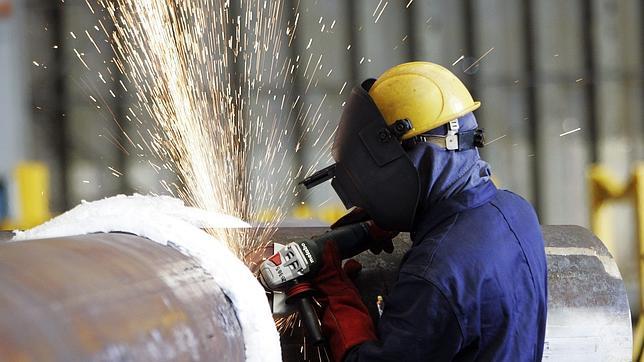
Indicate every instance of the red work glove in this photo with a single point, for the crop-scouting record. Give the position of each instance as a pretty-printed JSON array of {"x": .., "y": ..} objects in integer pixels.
[
  {"x": 380, "y": 239},
  {"x": 352, "y": 268},
  {"x": 345, "y": 320}
]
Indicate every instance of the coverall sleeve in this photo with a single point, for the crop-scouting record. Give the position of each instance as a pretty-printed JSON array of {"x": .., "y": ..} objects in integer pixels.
[{"x": 418, "y": 324}]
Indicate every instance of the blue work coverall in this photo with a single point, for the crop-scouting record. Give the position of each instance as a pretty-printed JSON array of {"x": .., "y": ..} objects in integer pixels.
[{"x": 473, "y": 286}]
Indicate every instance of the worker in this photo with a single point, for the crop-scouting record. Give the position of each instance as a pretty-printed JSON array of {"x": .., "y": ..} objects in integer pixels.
[{"x": 473, "y": 285}]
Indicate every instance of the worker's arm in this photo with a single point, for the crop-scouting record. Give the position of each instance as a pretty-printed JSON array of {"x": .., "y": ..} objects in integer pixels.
[
  {"x": 418, "y": 324},
  {"x": 345, "y": 320}
]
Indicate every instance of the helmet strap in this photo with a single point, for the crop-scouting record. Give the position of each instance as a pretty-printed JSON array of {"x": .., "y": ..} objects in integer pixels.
[
  {"x": 465, "y": 140},
  {"x": 451, "y": 139}
]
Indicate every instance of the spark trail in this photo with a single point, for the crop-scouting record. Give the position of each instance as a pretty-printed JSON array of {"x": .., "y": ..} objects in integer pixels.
[
  {"x": 199, "y": 71},
  {"x": 211, "y": 78}
]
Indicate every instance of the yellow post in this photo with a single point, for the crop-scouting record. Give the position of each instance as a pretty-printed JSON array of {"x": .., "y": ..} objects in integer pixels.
[
  {"x": 302, "y": 212},
  {"x": 33, "y": 190},
  {"x": 32, "y": 184},
  {"x": 605, "y": 188},
  {"x": 638, "y": 191}
]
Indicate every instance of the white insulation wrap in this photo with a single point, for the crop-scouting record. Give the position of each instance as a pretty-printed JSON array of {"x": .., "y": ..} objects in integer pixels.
[{"x": 168, "y": 221}]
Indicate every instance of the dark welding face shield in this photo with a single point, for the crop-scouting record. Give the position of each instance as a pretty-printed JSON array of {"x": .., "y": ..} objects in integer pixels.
[{"x": 372, "y": 170}]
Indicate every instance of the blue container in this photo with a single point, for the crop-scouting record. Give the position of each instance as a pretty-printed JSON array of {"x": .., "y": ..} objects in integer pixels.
[{"x": 4, "y": 201}]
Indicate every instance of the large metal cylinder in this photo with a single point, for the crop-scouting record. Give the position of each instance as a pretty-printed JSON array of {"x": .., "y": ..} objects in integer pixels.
[
  {"x": 588, "y": 313},
  {"x": 111, "y": 297},
  {"x": 122, "y": 297}
]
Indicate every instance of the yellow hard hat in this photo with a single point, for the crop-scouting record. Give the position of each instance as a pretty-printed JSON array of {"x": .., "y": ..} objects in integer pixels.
[{"x": 426, "y": 94}]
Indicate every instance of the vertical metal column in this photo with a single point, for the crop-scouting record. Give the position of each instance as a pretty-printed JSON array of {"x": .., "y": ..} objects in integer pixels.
[
  {"x": 121, "y": 158},
  {"x": 410, "y": 27},
  {"x": 14, "y": 90},
  {"x": 470, "y": 77},
  {"x": 469, "y": 42},
  {"x": 590, "y": 88},
  {"x": 296, "y": 123},
  {"x": 352, "y": 35},
  {"x": 119, "y": 110},
  {"x": 530, "y": 69},
  {"x": 470, "y": 51},
  {"x": 640, "y": 149},
  {"x": 236, "y": 69},
  {"x": 59, "y": 100}
]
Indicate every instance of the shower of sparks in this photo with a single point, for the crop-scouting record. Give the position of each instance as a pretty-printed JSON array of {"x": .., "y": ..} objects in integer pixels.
[
  {"x": 212, "y": 101},
  {"x": 479, "y": 59},
  {"x": 211, "y": 79},
  {"x": 569, "y": 132},
  {"x": 496, "y": 139},
  {"x": 343, "y": 86},
  {"x": 376, "y": 9},
  {"x": 381, "y": 11},
  {"x": 78, "y": 55},
  {"x": 287, "y": 323},
  {"x": 115, "y": 172},
  {"x": 458, "y": 60}
]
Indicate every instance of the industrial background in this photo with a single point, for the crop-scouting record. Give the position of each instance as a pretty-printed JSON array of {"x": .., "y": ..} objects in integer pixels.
[{"x": 560, "y": 83}]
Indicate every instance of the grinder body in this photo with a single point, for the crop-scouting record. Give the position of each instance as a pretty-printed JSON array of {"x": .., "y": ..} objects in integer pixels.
[
  {"x": 304, "y": 258},
  {"x": 291, "y": 267}
]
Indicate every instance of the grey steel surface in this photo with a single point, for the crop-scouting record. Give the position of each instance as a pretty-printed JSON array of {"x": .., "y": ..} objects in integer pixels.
[
  {"x": 588, "y": 316},
  {"x": 588, "y": 313},
  {"x": 121, "y": 297},
  {"x": 111, "y": 297}
]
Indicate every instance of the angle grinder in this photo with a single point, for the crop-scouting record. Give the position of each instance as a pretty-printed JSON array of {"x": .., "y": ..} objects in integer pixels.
[{"x": 292, "y": 267}]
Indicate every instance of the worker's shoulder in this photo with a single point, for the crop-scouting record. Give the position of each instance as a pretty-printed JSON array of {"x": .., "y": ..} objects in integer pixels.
[
  {"x": 455, "y": 243},
  {"x": 474, "y": 240},
  {"x": 513, "y": 207}
]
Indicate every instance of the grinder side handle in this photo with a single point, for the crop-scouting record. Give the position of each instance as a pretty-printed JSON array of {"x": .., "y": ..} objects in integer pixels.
[{"x": 351, "y": 240}]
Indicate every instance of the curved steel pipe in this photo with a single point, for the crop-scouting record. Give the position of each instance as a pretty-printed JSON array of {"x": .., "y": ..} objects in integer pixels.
[
  {"x": 122, "y": 297},
  {"x": 114, "y": 297}
]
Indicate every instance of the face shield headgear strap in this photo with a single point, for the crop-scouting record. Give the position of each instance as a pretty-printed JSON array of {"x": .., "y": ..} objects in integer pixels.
[{"x": 453, "y": 140}]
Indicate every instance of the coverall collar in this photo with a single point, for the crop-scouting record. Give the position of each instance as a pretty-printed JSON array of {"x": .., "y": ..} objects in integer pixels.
[{"x": 467, "y": 199}]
